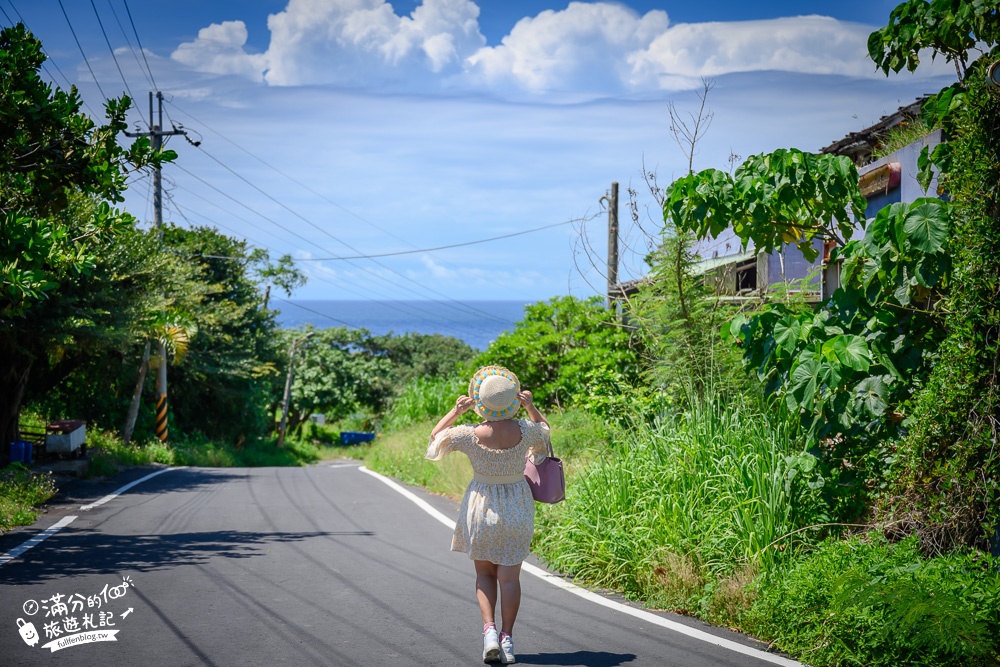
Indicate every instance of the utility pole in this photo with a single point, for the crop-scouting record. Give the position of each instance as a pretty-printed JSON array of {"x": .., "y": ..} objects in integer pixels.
[
  {"x": 156, "y": 135},
  {"x": 612, "y": 243},
  {"x": 288, "y": 387}
]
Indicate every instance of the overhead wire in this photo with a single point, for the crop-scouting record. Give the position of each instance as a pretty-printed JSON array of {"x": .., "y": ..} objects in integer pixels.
[
  {"x": 79, "y": 46},
  {"x": 114, "y": 13},
  {"x": 48, "y": 58},
  {"x": 117, "y": 64},
  {"x": 464, "y": 309},
  {"x": 355, "y": 287},
  {"x": 289, "y": 176},
  {"x": 139, "y": 42}
]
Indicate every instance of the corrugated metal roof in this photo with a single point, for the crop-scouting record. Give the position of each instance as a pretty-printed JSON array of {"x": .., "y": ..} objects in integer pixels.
[{"x": 705, "y": 265}]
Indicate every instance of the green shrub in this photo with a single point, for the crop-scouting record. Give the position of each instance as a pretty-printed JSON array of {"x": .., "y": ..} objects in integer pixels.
[
  {"x": 20, "y": 492},
  {"x": 863, "y": 601}
]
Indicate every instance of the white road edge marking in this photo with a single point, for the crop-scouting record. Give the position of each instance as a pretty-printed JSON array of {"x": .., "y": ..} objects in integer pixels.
[
  {"x": 569, "y": 587},
  {"x": 118, "y": 492},
  {"x": 45, "y": 534},
  {"x": 343, "y": 465}
]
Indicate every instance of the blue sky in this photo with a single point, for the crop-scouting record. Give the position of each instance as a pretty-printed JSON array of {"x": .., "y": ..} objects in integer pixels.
[{"x": 334, "y": 128}]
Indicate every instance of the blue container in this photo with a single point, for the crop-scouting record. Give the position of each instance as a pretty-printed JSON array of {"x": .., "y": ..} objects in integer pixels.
[
  {"x": 27, "y": 453},
  {"x": 16, "y": 452},
  {"x": 355, "y": 437}
]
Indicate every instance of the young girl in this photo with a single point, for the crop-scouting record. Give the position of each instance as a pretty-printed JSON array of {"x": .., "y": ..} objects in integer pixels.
[{"x": 497, "y": 517}]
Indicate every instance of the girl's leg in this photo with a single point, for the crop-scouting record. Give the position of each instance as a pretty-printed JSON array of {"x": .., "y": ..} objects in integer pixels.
[
  {"x": 486, "y": 590},
  {"x": 509, "y": 577}
]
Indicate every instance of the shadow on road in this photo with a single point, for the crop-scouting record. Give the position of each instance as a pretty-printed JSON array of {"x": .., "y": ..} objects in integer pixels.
[
  {"x": 73, "y": 552},
  {"x": 583, "y": 658}
]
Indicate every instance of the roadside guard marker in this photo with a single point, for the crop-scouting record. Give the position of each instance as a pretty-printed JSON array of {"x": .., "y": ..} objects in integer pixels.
[{"x": 560, "y": 582}]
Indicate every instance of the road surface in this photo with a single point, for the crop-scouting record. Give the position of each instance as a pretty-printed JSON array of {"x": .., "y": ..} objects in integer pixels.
[{"x": 323, "y": 565}]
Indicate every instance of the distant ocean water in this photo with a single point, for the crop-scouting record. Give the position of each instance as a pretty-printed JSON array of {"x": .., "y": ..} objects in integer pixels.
[{"x": 475, "y": 322}]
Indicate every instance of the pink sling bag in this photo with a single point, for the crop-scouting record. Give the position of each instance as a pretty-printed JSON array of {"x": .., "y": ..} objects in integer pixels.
[{"x": 548, "y": 485}]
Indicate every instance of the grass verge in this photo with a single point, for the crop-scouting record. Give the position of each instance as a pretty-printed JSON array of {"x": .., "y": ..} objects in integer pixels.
[{"x": 21, "y": 492}]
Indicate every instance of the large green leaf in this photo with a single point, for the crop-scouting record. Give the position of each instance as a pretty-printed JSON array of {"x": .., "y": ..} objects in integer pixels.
[
  {"x": 926, "y": 225},
  {"x": 851, "y": 351},
  {"x": 872, "y": 392},
  {"x": 787, "y": 332}
]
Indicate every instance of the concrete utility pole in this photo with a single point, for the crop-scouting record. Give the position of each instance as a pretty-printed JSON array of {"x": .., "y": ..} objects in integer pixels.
[
  {"x": 288, "y": 387},
  {"x": 156, "y": 135},
  {"x": 612, "y": 243}
]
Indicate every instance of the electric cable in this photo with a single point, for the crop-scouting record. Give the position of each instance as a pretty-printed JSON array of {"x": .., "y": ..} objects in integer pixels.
[
  {"x": 139, "y": 42},
  {"x": 117, "y": 64},
  {"x": 77, "y": 40},
  {"x": 114, "y": 13}
]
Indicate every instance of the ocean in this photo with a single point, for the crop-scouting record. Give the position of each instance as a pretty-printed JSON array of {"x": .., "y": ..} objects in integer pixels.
[{"x": 475, "y": 322}]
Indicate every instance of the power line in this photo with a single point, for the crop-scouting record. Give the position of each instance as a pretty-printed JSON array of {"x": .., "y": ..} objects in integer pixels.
[
  {"x": 139, "y": 42},
  {"x": 290, "y": 177},
  {"x": 447, "y": 247},
  {"x": 47, "y": 56},
  {"x": 329, "y": 317},
  {"x": 114, "y": 13},
  {"x": 463, "y": 310},
  {"x": 279, "y": 225},
  {"x": 76, "y": 39},
  {"x": 117, "y": 64}
]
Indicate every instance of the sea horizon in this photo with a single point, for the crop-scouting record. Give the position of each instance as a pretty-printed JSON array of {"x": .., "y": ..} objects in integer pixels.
[{"x": 477, "y": 322}]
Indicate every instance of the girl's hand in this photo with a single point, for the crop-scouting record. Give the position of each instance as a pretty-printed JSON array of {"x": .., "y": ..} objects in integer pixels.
[
  {"x": 463, "y": 404},
  {"x": 525, "y": 397}
]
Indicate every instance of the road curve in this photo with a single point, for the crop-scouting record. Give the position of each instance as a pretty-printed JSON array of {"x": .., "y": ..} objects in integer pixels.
[{"x": 321, "y": 565}]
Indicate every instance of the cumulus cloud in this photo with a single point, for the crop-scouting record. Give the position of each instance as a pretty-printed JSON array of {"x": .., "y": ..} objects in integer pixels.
[
  {"x": 219, "y": 49},
  {"x": 353, "y": 42},
  {"x": 583, "y": 45},
  {"x": 595, "y": 48}
]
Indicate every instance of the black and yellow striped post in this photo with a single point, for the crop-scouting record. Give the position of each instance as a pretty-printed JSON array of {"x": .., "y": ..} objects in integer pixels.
[{"x": 161, "y": 417}]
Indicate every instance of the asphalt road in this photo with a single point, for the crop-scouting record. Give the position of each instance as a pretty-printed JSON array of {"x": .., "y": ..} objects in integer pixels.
[{"x": 322, "y": 565}]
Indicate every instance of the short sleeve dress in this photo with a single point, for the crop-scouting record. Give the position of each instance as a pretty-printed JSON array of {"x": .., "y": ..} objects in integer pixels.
[{"x": 497, "y": 517}]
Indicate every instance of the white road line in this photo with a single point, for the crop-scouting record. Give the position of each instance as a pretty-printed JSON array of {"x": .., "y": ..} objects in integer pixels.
[
  {"x": 45, "y": 534},
  {"x": 114, "y": 494},
  {"x": 569, "y": 587},
  {"x": 343, "y": 465}
]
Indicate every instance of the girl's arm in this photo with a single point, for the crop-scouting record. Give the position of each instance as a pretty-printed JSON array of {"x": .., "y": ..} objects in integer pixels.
[
  {"x": 527, "y": 400},
  {"x": 462, "y": 405}
]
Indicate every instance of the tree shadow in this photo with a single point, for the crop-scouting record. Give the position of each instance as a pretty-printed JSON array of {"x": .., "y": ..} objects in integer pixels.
[
  {"x": 70, "y": 552},
  {"x": 577, "y": 658}
]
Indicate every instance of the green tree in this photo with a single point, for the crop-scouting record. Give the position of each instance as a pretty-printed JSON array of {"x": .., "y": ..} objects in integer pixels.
[
  {"x": 566, "y": 348},
  {"x": 949, "y": 486},
  {"x": 50, "y": 153},
  {"x": 337, "y": 374},
  {"x": 224, "y": 386}
]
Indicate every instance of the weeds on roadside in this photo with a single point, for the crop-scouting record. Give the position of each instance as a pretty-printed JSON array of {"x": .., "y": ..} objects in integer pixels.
[{"x": 22, "y": 490}]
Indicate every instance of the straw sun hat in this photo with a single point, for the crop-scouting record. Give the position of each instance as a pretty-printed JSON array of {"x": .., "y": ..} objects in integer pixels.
[{"x": 494, "y": 389}]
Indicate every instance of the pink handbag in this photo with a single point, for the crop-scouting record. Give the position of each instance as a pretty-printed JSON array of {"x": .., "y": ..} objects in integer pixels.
[{"x": 548, "y": 485}]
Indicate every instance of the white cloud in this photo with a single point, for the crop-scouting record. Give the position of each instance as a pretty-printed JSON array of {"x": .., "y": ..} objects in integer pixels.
[
  {"x": 347, "y": 42},
  {"x": 589, "y": 48},
  {"x": 219, "y": 50},
  {"x": 804, "y": 44},
  {"x": 582, "y": 46}
]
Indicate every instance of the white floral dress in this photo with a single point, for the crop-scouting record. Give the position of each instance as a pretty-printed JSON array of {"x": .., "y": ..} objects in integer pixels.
[{"x": 497, "y": 517}]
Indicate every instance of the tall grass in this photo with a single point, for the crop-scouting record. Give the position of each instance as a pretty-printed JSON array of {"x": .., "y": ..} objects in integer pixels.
[
  {"x": 696, "y": 499},
  {"x": 420, "y": 400}
]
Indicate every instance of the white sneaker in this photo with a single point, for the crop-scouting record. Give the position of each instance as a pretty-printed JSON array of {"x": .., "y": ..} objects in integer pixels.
[
  {"x": 491, "y": 646},
  {"x": 507, "y": 650}
]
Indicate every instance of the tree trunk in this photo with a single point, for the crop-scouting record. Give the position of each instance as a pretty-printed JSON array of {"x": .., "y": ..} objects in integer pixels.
[
  {"x": 13, "y": 380},
  {"x": 133, "y": 408}
]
